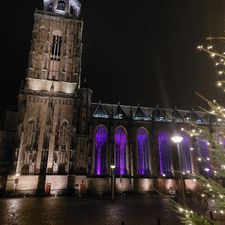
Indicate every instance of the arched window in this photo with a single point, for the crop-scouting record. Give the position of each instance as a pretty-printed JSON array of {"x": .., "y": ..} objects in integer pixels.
[
  {"x": 221, "y": 140},
  {"x": 164, "y": 154},
  {"x": 142, "y": 139},
  {"x": 56, "y": 47},
  {"x": 120, "y": 139},
  {"x": 100, "y": 150},
  {"x": 71, "y": 10},
  {"x": 64, "y": 134},
  {"x": 61, "y": 5},
  {"x": 204, "y": 160},
  {"x": 186, "y": 165},
  {"x": 30, "y": 133}
]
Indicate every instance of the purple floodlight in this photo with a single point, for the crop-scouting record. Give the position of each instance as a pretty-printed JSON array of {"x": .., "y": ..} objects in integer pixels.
[
  {"x": 143, "y": 152},
  {"x": 186, "y": 165},
  {"x": 100, "y": 150},
  {"x": 120, "y": 150},
  {"x": 205, "y": 166},
  {"x": 164, "y": 153}
]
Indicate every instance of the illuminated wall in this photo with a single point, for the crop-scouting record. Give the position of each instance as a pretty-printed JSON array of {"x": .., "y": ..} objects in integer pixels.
[
  {"x": 164, "y": 154},
  {"x": 203, "y": 152},
  {"x": 186, "y": 164},
  {"x": 100, "y": 150},
  {"x": 142, "y": 139},
  {"x": 120, "y": 139}
]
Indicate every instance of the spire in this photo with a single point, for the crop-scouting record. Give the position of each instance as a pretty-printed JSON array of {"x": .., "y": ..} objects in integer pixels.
[{"x": 63, "y": 7}]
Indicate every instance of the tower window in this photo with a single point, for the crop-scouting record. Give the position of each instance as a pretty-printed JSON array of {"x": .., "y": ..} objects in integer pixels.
[
  {"x": 71, "y": 10},
  {"x": 56, "y": 47},
  {"x": 61, "y": 5}
]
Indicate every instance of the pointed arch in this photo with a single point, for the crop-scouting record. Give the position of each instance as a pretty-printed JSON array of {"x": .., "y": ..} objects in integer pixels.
[
  {"x": 164, "y": 153},
  {"x": 64, "y": 128},
  {"x": 186, "y": 163},
  {"x": 30, "y": 132},
  {"x": 120, "y": 145},
  {"x": 100, "y": 143},
  {"x": 203, "y": 153},
  {"x": 142, "y": 140}
]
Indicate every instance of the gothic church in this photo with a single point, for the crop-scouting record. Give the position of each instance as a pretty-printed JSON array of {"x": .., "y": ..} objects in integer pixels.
[{"x": 57, "y": 139}]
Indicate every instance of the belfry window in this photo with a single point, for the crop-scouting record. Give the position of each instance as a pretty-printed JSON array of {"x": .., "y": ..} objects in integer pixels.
[
  {"x": 56, "y": 47},
  {"x": 61, "y": 5}
]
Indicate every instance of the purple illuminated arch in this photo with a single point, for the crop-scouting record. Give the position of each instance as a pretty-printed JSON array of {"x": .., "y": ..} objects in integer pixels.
[
  {"x": 120, "y": 139},
  {"x": 143, "y": 152},
  {"x": 186, "y": 165},
  {"x": 164, "y": 153},
  {"x": 203, "y": 152},
  {"x": 100, "y": 150}
]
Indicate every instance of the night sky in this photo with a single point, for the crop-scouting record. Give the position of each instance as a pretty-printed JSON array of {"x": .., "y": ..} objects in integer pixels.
[{"x": 133, "y": 51}]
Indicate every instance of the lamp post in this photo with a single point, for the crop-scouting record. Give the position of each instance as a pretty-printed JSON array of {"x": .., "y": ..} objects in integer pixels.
[
  {"x": 177, "y": 140},
  {"x": 113, "y": 182}
]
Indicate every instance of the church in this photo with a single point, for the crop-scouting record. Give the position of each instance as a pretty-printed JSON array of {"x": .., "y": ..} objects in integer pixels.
[{"x": 57, "y": 140}]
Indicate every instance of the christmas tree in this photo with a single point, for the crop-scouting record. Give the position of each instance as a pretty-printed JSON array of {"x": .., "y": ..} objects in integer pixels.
[{"x": 211, "y": 185}]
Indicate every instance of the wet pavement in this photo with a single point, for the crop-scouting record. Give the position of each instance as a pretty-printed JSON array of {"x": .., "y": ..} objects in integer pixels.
[{"x": 132, "y": 210}]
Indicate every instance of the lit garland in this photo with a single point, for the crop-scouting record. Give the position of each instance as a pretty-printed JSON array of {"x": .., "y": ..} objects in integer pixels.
[
  {"x": 218, "y": 57},
  {"x": 211, "y": 191}
]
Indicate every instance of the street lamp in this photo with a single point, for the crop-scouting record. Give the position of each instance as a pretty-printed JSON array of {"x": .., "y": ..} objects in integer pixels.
[
  {"x": 113, "y": 182},
  {"x": 177, "y": 140}
]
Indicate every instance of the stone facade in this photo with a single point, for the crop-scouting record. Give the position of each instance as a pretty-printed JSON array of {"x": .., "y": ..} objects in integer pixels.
[{"x": 59, "y": 142}]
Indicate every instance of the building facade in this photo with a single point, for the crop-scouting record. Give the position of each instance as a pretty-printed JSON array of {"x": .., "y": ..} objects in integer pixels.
[{"x": 58, "y": 140}]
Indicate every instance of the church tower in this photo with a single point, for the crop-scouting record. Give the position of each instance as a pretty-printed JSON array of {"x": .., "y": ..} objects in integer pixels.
[{"x": 48, "y": 100}]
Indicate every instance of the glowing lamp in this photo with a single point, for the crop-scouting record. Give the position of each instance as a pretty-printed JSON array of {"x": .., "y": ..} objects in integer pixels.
[{"x": 177, "y": 139}]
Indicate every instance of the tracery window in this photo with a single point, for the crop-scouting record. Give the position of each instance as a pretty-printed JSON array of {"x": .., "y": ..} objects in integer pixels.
[
  {"x": 203, "y": 157},
  {"x": 186, "y": 164},
  {"x": 164, "y": 154},
  {"x": 120, "y": 139},
  {"x": 142, "y": 139},
  {"x": 56, "y": 47},
  {"x": 100, "y": 143}
]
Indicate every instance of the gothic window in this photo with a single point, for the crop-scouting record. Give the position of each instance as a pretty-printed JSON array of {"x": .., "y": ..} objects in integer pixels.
[
  {"x": 71, "y": 10},
  {"x": 120, "y": 140},
  {"x": 203, "y": 157},
  {"x": 56, "y": 47},
  {"x": 221, "y": 140},
  {"x": 185, "y": 154},
  {"x": 63, "y": 134},
  {"x": 100, "y": 150},
  {"x": 30, "y": 133},
  {"x": 50, "y": 6},
  {"x": 61, "y": 5},
  {"x": 164, "y": 154},
  {"x": 143, "y": 152}
]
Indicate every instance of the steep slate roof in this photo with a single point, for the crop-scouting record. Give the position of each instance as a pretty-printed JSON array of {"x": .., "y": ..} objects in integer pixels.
[
  {"x": 101, "y": 112},
  {"x": 140, "y": 115},
  {"x": 148, "y": 113},
  {"x": 119, "y": 114}
]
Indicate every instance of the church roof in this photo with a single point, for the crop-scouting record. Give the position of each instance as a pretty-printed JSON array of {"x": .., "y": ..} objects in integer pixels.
[
  {"x": 100, "y": 112},
  {"x": 141, "y": 113}
]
